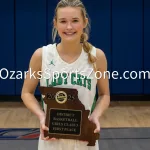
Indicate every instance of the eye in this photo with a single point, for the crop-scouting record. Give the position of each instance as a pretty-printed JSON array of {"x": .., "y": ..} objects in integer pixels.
[
  {"x": 75, "y": 21},
  {"x": 63, "y": 21}
]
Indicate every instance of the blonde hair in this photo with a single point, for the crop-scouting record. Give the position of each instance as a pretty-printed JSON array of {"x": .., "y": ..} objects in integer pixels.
[{"x": 84, "y": 38}]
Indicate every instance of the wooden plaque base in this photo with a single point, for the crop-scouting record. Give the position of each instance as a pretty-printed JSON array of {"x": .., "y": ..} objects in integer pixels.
[{"x": 66, "y": 116}]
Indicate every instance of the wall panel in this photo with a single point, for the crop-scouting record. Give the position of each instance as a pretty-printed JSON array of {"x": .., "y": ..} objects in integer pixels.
[
  {"x": 7, "y": 56},
  {"x": 127, "y": 45},
  {"x": 30, "y": 33}
]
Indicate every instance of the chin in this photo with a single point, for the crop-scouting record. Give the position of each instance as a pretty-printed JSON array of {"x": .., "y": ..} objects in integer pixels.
[{"x": 70, "y": 39}]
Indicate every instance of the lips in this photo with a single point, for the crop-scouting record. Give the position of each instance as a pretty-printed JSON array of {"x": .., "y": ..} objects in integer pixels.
[{"x": 69, "y": 33}]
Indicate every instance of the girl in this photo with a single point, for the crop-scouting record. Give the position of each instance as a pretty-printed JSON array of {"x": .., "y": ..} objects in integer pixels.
[{"x": 73, "y": 53}]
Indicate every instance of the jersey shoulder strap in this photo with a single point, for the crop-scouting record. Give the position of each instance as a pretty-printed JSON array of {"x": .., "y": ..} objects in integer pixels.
[{"x": 93, "y": 51}]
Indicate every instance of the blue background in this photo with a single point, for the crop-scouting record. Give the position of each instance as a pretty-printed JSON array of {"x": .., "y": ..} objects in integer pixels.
[{"x": 120, "y": 28}]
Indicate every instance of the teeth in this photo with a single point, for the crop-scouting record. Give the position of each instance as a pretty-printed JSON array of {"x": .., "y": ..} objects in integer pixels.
[{"x": 69, "y": 33}]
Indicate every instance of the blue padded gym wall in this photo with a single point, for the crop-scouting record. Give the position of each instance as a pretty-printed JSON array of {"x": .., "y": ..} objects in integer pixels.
[
  {"x": 146, "y": 40},
  {"x": 7, "y": 56},
  {"x": 127, "y": 44},
  {"x": 120, "y": 28},
  {"x": 30, "y": 33}
]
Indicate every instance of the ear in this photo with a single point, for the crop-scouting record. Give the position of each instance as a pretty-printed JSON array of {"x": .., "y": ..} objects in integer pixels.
[
  {"x": 54, "y": 23},
  {"x": 86, "y": 22}
]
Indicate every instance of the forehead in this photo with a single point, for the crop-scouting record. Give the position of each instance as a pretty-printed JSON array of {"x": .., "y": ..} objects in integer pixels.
[{"x": 69, "y": 12}]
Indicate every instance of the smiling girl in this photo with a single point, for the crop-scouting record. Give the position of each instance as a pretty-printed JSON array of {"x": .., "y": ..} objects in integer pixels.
[{"x": 74, "y": 52}]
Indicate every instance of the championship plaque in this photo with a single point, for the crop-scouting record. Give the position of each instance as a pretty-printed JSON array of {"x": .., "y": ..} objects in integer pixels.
[{"x": 66, "y": 116}]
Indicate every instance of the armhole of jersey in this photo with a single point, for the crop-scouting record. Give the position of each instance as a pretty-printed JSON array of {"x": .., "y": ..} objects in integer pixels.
[
  {"x": 43, "y": 56},
  {"x": 44, "y": 50},
  {"x": 93, "y": 52}
]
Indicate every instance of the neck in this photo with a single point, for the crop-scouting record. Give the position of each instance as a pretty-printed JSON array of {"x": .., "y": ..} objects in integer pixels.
[{"x": 70, "y": 47}]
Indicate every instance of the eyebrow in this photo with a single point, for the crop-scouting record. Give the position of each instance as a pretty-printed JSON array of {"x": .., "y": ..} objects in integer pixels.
[
  {"x": 65, "y": 18},
  {"x": 76, "y": 18}
]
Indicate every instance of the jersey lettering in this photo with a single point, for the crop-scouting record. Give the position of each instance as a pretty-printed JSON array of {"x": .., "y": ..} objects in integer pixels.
[{"x": 76, "y": 79}]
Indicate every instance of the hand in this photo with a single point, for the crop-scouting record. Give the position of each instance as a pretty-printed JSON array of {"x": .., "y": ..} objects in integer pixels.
[
  {"x": 96, "y": 121},
  {"x": 42, "y": 128}
]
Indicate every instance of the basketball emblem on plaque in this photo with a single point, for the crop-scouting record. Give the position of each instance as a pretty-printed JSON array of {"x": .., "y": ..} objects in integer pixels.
[{"x": 66, "y": 116}]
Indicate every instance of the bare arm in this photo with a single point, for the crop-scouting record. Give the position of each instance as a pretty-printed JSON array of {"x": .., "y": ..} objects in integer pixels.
[
  {"x": 102, "y": 84},
  {"x": 103, "y": 91},
  {"x": 30, "y": 84}
]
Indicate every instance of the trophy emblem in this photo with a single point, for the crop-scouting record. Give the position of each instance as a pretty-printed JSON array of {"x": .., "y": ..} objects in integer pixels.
[{"x": 61, "y": 97}]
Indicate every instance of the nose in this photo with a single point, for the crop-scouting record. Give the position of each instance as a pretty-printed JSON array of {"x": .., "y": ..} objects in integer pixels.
[{"x": 69, "y": 26}]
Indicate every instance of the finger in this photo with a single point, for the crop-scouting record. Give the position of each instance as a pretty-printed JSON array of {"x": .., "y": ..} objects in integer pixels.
[
  {"x": 45, "y": 127},
  {"x": 46, "y": 138},
  {"x": 97, "y": 127},
  {"x": 42, "y": 133},
  {"x": 90, "y": 118},
  {"x": 97, "y": 130},
  {"x": 42, "y": 136},
  {"x": 52, "y": 139}
]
